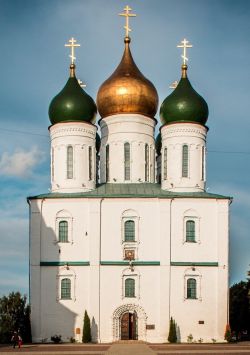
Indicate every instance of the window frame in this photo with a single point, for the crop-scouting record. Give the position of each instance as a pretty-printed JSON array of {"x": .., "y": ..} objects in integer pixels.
[
  {"x": 191, "y": 288},
  {"x": 185, "y": 161},
  {"x": 190, "y": 231},
  {"x": 125, "y": 236},
  {"x": 91, "y": 165},
  {"x": 129, "y": 288},
  {"x": 127, "y": 161},
  {"x": 192, "y": 273},
  {"x": 107, "y": 162},
  {"x": 66, "y": 272},
  {"x": 146, "y": 152},
  {"x": 63, "y": 231},
  {"x": 61, "y": 216},
  {"x": 165, "y": 163},
  {"x": 62, "y": 297},
  {"x": 191, "y": 216},
  {"x": 69, "y": 162}
]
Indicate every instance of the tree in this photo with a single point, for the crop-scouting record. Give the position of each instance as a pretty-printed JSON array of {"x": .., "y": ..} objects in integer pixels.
[
  {"x": 239, "y": 312},
  {"x": 86, "y": 334},
  {"x": 14, "y": 316},
  {"x": 172, "y": 337}
]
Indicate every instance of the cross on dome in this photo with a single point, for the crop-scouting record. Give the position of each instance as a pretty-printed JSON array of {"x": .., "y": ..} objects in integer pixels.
[
  {"x": 81, "y": 83},
  {"x": 127, "y": 14},
  {"x": 72, "y": 43},
  {"x": 184, "y": 44},
  {"x": 174, "y": 85}
]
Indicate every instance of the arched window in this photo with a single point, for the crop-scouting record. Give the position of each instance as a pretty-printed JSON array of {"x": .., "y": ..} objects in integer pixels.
[
  {"x": 146, "y": 162},
  {"x": 69, "y": 162},
  {"x": 185, "y": 161},
  {"x": 129, "y": 288},
  {"x": 126, "y": 161},
  {"x": 90, "y": 164},
  {"x": 165, "y": 166},
  {"x": 65, "y": 289},
  {"x": 63, "y": 231},
  {"x": 129, "y": 231},
  {"x": 190, "y": 231},
  {"x": 107, "y": 163},
  {"x": 191, "y": 288}
]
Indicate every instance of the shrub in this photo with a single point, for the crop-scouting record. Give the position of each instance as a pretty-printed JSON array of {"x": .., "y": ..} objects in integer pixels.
[
  {"x": 190, "y": 338},
  {"x": 86, "y": 334},
  {"x": 56, "y": 339},
  {"x": 172, "y": 337},
  {"x": 228, "y": 334}
]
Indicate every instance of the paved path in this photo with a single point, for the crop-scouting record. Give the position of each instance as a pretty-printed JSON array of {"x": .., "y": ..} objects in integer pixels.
[{"x": 127, "y": 348}]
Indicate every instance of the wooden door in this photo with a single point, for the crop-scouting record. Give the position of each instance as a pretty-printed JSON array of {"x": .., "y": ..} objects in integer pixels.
[
  {"x": 133, "y": 326},
  {"x": 125, "y": 326}
]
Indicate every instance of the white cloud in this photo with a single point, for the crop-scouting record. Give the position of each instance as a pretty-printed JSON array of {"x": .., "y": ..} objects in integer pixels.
[{"x": 20, "y": 163}]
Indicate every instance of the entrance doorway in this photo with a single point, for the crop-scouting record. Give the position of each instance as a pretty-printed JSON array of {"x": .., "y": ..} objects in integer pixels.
[{"x": 129, "y": 326}]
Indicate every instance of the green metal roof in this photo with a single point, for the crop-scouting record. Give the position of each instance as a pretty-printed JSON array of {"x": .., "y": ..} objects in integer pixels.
[{"x": 140, "y": 190}]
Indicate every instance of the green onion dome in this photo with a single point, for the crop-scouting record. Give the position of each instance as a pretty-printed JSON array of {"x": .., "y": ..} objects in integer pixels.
[
  {"x": 72, "y": 104},
  {"x": 97, "y": 143},
  {"x": 158, "y": 144},
  {"x": 184, "y": 104}
]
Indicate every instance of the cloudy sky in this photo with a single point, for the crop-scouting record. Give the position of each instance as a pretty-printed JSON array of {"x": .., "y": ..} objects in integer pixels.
[{"x": 34, "y": 68}]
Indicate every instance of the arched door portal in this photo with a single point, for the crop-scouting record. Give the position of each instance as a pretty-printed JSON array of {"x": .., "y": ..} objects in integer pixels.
[{"x": 128, "y": 325}]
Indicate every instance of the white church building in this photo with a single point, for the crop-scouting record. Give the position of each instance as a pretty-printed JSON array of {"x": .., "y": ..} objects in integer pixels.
[{"x": 128, "y": 232}]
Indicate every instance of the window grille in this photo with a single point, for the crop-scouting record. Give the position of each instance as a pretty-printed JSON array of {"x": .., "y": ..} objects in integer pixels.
[
  {"x": 90, "y": 164},
  {"x": 191, "y": 288},
  {"x": 146, "y": 162},
  {"x": 63, "y": 231},
  {"x": 65, "y": 289},
  {"x": 185, "y": 161},
  {"x": 190, "y": 231},
  {"x": 126, "y": 161},
  {"x": 129, "y": 288},
  {"x": 165, "y": 167},
  {"x": 129, "y": 231},
  {"x": 107, "y": 163},
  {"x": 69, "y": 162}
]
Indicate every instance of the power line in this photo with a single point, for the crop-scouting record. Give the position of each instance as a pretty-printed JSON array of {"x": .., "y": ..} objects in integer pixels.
[
  {"x": 22, "y": 132},
  {"x": 44, "y": 135}
]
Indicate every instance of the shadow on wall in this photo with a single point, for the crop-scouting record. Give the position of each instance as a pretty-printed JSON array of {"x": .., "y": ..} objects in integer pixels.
[{"x": 57, "y": 307}]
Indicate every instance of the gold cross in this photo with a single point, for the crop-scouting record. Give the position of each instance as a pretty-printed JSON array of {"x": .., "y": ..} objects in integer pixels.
[
  {"x": 174, "y": 85},
  {"x": 81, "y": 83},
  {"x": 127, "y": 15},
  {"x": 184, "y": 44},
  {"x": 72, "y": 43}
]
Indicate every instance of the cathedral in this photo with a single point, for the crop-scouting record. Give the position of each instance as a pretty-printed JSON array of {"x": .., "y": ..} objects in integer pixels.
[{"x": 128, "y": 232}]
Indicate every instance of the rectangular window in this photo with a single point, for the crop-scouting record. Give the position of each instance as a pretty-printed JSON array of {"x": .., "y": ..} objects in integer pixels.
[
  {"x": 185, "y": 161},
  {"x": 203, "y": 164},
  {"x": 146, "y": 162},
  {"x": 165, "y": 166},
  {"x": 129, "y": 288},
  {"x": 191, "y": 288},
  {"x": 129, "y": 231},
  {"x": 126, "y": 161},
  {"x": 52, "y": 163},
  {"x": 90, "y": 164},
  {"x": 69, "y": 162},
  {"x": 63, "y": 231},
  {"x": 107, "y": 163},
  {"x": 66, "y": 289},
  {"x": 190, "y": 231}
]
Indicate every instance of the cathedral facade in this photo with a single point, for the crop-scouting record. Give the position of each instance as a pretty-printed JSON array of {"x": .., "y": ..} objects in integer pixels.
[{"x": 128, "y": 232}]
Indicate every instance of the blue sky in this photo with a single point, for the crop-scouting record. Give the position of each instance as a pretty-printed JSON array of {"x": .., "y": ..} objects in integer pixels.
[{"x": 34, "y": 68}]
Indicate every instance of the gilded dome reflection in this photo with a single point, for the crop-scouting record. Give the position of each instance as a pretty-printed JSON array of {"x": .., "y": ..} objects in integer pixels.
[{"x": 127, "y": 90}]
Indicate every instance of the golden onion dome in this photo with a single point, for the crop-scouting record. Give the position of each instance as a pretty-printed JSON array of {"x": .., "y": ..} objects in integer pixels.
[{"x": 127, "y": 90}]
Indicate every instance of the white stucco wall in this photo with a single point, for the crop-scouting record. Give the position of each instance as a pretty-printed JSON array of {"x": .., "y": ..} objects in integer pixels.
[
  {"x": 80, "y": 136},
  {"x": 96, "y": 235},
  {"x": 135, "y": 129},
  {"x": 174, "y": 136}
]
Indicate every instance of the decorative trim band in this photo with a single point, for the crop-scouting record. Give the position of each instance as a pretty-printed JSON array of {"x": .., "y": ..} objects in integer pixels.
[
  {"x": 64, "y": 263},
  {"x": 136, "y": 263},
  {"x": 187, "y": 263}
]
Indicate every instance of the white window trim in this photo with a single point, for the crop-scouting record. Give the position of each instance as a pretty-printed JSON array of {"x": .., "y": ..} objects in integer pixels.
[
  {"x": 70, "y": 229},
  {"x": 66, "y": 273},
  {"x": 188, "y": 163},
  {"x": 73, "y": 162},
  {"x": 136, "y": 221},
  {"x": 129, "y": 274},
  {"x": 193, "y": 274},
  {"x": 196, "y": 220}
]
